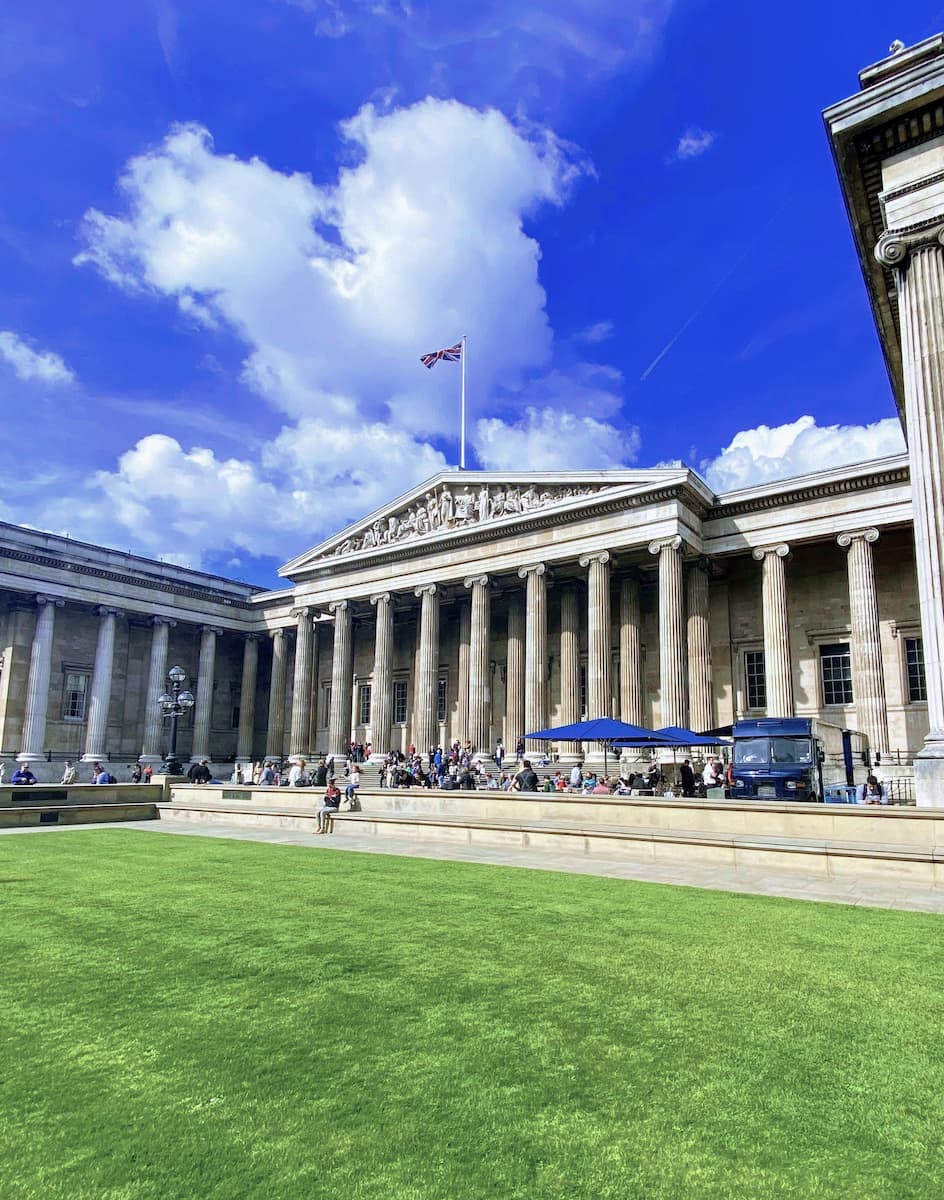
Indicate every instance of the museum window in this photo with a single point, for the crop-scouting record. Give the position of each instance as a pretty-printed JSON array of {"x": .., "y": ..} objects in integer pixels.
[
  {"x": 326, "y": 705},
  {"x": 363, "y": 704},
  {"x": 755, "y": 680},
  {"x": 441, "y": 700},
  {"x": 914, "y": 665},
  {"x": 583, "y": 692},
  {"x": 234, "y": 717},
  {"x": 836, "y": 668},
  {"x": 75, "y": 695},
  {"x": 399, "y": 701}
]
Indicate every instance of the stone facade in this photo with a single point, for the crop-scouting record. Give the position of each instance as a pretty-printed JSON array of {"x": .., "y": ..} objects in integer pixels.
[{"x": 629, "y": 593}]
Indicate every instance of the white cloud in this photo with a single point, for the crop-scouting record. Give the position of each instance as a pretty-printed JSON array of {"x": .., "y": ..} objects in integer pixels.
[
  {"x": 693, "y": 143},
  {"x": 769, "y": 453},
  {"x": 601, "y": 331},
  {"x": 336, "y": 290},
  {"x": 310, "y": 478},
  {"x": 549, "y": 440},
  {"x": 30, "y": 364}
]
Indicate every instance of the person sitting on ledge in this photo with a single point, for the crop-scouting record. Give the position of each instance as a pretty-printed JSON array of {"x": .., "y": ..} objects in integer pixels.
[
  {"x": 329, "y": 805},
  {"x": 199, "y": 772},
  {"x": 22, "y": 774},
  {"x": 68, "y": 774}
]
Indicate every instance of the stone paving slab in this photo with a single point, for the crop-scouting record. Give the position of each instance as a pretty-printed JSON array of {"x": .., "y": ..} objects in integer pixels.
[{"x": 868, "y": 892}]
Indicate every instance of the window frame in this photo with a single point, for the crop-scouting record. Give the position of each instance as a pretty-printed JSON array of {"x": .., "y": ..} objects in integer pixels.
[
  {"x": 828, "y": 685},
  {"x": 75, "y": 718}
]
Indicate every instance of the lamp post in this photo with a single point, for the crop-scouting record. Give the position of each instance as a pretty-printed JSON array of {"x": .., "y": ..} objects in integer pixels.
[{"x": 173, "y": 705}]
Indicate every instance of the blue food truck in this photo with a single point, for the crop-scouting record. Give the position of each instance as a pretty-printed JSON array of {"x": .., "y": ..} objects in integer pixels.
[{"x": 792, "y": 758}]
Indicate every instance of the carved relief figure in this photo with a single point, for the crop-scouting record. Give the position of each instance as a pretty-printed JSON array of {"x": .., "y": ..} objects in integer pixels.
[{"x": 445, "y": 509}]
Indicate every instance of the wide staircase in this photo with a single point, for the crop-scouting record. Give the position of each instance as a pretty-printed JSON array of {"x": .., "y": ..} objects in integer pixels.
[{"x": 832, "y": 840}]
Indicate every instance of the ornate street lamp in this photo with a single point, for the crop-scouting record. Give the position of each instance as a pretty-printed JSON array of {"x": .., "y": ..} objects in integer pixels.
[{"x": 174, "y": 704}]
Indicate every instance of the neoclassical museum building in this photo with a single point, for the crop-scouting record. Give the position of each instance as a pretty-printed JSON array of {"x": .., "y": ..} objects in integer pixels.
[{"x": 481, "y": 606}]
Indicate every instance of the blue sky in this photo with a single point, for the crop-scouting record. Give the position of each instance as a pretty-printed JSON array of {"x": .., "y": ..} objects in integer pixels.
[{"x": 228, "y": 231}]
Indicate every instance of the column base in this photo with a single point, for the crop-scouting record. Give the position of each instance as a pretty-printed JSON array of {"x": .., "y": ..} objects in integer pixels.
[
  {"x": 100, "y": 758},
  {"x": 28, "y": 758},
  {"x": 929, "y": 775},
  {"x": 153, "y": 759}
]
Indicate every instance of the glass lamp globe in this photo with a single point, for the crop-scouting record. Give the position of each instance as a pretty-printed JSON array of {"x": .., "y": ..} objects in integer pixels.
[
  {"x": 186, "y": 700},
  {"x": 166, "y": 701},
  {"x": 177, "y": 674}
]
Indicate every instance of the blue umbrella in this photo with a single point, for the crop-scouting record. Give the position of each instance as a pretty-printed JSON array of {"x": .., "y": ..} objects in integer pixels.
[{"x": 601, "y": 729}]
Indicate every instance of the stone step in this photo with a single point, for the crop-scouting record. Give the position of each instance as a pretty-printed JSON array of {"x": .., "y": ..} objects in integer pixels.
[
  {"x": 821, "y": 822},
  {"x": 906, "y": 863},
  {"x": 76, "y": 814}
]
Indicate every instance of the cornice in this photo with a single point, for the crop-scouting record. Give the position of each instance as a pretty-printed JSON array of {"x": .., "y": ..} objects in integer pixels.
[
  {"x": 806, "y": 492},
  {"x": 134, "y": 581}
]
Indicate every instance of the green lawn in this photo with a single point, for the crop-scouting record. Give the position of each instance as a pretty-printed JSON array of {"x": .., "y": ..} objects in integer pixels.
[{"x": 200, "y": 1018}]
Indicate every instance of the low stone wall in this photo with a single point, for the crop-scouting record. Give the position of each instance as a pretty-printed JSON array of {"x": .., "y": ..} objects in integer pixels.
[{"x": 869, "y": 825}]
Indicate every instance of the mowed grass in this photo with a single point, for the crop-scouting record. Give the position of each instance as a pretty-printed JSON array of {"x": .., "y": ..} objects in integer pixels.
[{"x": 201, "y": 1018}]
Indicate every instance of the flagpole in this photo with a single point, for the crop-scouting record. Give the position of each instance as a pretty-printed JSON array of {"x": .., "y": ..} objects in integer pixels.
[{"x": 462, "y": 410}]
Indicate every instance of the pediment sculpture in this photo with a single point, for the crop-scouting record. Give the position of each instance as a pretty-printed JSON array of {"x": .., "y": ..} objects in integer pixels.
[{"x": 447, "y": 507}]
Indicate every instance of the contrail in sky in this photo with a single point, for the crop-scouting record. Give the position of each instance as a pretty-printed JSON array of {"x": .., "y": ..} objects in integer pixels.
[{"x": 711, "y": 295}]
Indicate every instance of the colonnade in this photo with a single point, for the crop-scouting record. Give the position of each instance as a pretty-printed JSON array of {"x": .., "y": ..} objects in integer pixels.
[{"x": 685, "y": 666}]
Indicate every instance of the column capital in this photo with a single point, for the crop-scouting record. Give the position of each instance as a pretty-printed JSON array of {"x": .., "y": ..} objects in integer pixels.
[
  {"x": 42, "y": 600},
  {"x": 252, "y": 637},
  {"x": 781, "y": 550},
  {"x": 304, "y": 610},
  {"x": 865, "y": 535},
  {"x": 426, "y": 589},
  {"x": 169, "y": 621},
  {"x": 379, "y": 598},
  {"x": 278, "y": 632},
  {"x": 531, "y": 569},
  {"x": 598, "y": 556},
  {"x": 895, "y": 245},
  {"x": 211, "y": 629},
  {"x": 106, "y": 610},
  {"x": 339, "y": 606},
  {"x": 472, "y": 580},
  {"x": 660, "y": 544}
]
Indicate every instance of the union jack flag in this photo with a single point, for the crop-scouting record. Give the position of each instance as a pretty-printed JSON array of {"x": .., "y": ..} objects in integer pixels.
[{"x": 450, "y": 354}]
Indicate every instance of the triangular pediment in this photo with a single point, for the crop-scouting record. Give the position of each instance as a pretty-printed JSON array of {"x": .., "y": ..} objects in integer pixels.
[{"x": 453, "y": 503}]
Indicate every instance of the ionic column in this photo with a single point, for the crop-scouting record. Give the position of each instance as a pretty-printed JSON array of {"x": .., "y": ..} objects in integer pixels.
[
  {"x": 535, "y": 647},
  {"x": 514, "y": 675},
  {"x": 630, "y": 652},
  {"x": 96, "y": 730},
  {"x": 156, "y": 686},
  {"x": 298, "y": 746},
  {"x": 598, "y": 634},
  {"x": 868, "y": 676},
  {"x": 37, "y": 687},
  {"x": 315, "y": 691},
  {"x": 479, "y": 676},
  {"x": 381, "y": 690},
  {"x": 699, "y": 649},
  {"x": 247, "y": 697},
  {"x": 918, "y": 262},
  {"x": 342, "y": 681},
  {"x": 777, "y": 669},
  {"x": 427, "y": 727},
  {"x": 570, "y": 663},
  {"x": 275, "y": 727},
  {"x": 671, "y": 632},
  {"x": 461, "y": 732},
  {"x": 203, "y": 709}
]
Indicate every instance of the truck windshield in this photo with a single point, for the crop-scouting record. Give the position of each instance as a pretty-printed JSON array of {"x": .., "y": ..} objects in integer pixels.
[{"x": 763, "y": 750}]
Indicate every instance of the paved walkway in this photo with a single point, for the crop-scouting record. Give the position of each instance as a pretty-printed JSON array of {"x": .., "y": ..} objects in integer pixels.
[{"x": 874, "y": 893}]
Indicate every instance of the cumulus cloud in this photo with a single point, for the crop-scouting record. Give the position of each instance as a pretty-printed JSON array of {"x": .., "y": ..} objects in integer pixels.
[
  {"x": 550, "y": 440},
  {"x": 693, "y": 143},
  {"x": 29, "y": 364},
  {"x": 768, "y": 453},
  {"x": 336, "y": 289},
  {"x": 309, "y": 478}
]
